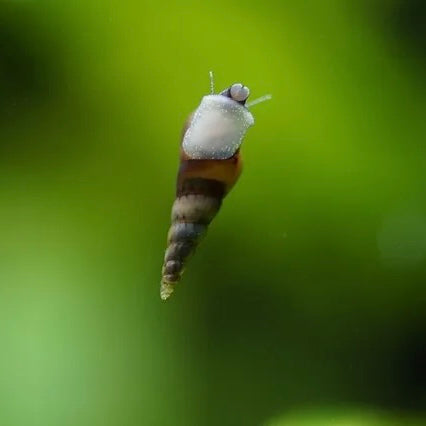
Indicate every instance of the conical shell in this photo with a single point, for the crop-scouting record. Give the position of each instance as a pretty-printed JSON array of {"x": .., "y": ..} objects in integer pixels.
[{"x": 191, "y": 214}]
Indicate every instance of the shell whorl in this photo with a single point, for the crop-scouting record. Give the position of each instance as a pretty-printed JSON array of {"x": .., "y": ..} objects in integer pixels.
[{"x": 197, "y": 203}]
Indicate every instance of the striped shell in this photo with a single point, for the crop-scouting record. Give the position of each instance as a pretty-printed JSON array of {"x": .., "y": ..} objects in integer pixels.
[{"x": 210, "y": 165}]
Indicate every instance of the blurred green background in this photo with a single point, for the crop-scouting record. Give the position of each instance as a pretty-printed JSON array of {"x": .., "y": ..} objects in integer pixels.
[{"x": 305, "y": 304}]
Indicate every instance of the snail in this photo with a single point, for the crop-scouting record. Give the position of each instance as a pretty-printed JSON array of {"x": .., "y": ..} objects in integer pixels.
[{"x": 210, "y": 165}]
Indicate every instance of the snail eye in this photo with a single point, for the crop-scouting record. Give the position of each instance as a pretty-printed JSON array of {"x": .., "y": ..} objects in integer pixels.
[{"x": 239, "y": 92}]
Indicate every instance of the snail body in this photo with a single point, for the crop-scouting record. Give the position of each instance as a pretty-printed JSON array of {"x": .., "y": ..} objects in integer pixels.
[{"x": 210, "y": 165}]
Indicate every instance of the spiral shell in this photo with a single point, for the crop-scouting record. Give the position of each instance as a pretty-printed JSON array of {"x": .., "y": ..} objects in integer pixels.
[
  {"x": 202, "y": 185},
  {"x": 191, "y": 214},
  {"x": 210, "y": 166}
]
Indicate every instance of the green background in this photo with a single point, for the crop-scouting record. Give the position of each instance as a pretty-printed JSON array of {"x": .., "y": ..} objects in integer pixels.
[{"x": 304, "y": 305}]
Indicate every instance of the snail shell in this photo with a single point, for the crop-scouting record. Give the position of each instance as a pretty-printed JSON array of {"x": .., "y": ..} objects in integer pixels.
[{"x": 210, "y": 164}]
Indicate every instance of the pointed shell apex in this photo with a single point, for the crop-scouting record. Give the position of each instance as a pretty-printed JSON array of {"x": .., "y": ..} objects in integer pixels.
[{"x": 166, "y": 290}]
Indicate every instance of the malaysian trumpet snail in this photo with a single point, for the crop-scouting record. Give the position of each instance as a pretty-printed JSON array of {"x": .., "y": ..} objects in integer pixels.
[{"x": 210, "y": 164}]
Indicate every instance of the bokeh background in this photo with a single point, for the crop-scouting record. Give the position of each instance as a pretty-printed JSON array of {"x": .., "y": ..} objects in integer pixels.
[{"x": 305, "y": 304}]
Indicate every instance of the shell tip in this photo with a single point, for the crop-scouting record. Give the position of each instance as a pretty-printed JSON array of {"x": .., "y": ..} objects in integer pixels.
[{"x": 166, "y": 290}]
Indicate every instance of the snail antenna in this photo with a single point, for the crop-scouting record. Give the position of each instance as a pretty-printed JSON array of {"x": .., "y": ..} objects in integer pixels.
[
  {"x": 259, "y": 100},
  {"x": 211, "y": 82}
]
